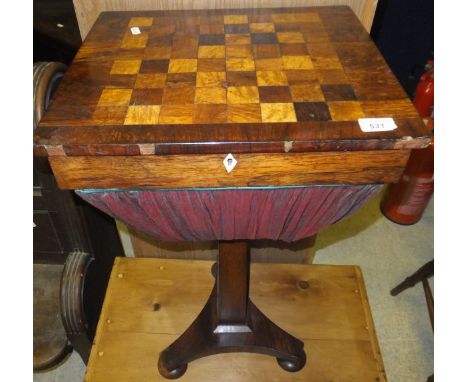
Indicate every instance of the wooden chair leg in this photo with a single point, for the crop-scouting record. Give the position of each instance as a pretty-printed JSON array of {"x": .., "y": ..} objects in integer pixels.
[
  {"x": 429, "y": 301},
  {"x": 422, "y": 273}
]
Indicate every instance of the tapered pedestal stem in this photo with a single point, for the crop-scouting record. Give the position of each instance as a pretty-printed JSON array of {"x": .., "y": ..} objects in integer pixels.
[{"x": 230, "y": 322}]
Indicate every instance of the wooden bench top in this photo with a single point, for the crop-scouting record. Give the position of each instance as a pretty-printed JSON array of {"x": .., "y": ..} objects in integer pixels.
[{"x": 149, "y": 302}]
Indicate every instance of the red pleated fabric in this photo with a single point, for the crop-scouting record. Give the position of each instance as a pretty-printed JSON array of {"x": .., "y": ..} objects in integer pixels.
[{"x": 286, "y": 214}]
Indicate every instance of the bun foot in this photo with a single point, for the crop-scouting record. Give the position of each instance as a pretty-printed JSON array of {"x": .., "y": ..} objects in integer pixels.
[
  {"x": 293, "y": 366},
  {"x": 171, "y": 374},
  {"x": 214, "y": 270}
]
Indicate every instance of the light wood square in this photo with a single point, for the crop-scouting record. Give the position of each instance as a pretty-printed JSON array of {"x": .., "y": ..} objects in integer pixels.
[
  {"x": 244, "y": 113},
  {"x": 262, "y": 27},
  {"x": 131, "y": 41},
  {"x": 242, "y": 94},
  {"x": 268, "y": 78},
  {"x": 297, "y": 62},
  {"x": 345, "y": 110},
  {"x": 177, "y": 114},
  {"x": 157, "y": 52},
  {"x": 115, "y": 97},
  {"x": 140, "y": 22},
  {"x": 125, "y": 67},
  {"x": 290, "y": 37},
  {"x": 306, "y": 92},
  {"x": 182, "y": 65},
  {"x": 236, "y": 19},
  {"x": 142, "y": 115},
  {"x": 268, "y": 64},
  {"x": 150, "y": 81},
  {"x": 307, "y": 17},
  {"x": 211, "y": 51},
  {"x": 239, "y": 51},
  {"x": 238, "y": 39},
  {"x": 278, "y": 112},
  {"x": 210, "y": 95},
  {"x": 284, "y": 17},
  {"x": 240, "y": 64},
  {"x": 211, "y": 79}
]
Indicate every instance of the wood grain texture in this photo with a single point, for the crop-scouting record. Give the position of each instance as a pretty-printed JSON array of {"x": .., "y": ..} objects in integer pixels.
[
  {"x": 331, "y": 315},
  {"x": 280, "y": 88},
  {"x": 87, "y": 11},
  {"x": 245, "y": 80},
  {"x": 174, "y": 171}
]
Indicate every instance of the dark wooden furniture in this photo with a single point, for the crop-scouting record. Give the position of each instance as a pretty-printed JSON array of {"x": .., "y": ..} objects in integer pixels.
[
  {"x": 72, "y": 262},
  {"x": 56, "y": 36},
  {"x": 230, "y": 322},
  {"x": 159, "y": 107},
  {"x": 324, "y": 305},
  {"x": 420, "y": 276}
]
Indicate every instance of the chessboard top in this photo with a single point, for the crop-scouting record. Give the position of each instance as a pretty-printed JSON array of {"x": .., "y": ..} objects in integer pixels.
[{"x": 209, "y": 81}]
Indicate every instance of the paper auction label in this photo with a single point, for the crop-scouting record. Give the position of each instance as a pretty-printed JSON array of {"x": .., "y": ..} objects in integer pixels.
[{"x": 368, "y": 125}]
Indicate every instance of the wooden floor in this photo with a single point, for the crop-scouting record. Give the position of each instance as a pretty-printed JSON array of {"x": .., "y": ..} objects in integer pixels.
[{"x": 150, "y": 302}]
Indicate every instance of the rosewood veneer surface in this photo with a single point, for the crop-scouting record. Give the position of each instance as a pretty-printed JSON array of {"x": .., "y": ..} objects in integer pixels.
[{"x": 253, "y": 82}]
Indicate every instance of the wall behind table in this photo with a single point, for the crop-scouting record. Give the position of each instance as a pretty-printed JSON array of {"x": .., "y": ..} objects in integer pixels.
[
  {"x": 263, "y": 251},
  {"x": 87, "y": 11}
]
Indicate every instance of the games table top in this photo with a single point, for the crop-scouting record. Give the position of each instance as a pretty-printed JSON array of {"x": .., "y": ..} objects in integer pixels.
[{"x": 217, "y": 81}]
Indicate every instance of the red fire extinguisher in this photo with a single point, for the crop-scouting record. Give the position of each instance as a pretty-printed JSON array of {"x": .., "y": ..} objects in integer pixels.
[{"x": 405, "y": 201}]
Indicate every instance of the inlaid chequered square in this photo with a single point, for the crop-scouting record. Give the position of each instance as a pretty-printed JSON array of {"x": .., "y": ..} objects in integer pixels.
[{"x": 227, "y": 68}]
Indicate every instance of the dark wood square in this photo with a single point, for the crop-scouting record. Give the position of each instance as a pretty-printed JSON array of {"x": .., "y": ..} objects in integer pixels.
[
  {"x": 122, "y": 80},
  {"x": 211, "y": 20},
  {"x": 162, "y": 30},
  {"x": 260, "y": 18},
  {"x": 211, "y": 65},
  {"x": 241, "y": 78},
  {"x": 236, "y": 28},
  {"x": 154, "y": 66},
  {"x": 312, "y": 111},
  {"x": 212, "y": 28},
  {"x": 338, "y": 92},
  {"x": 211, "y": 39},
  {"x": 293, "y": 49},
  {"x": 188, "y": 29},
  {"x": 147, "y": 97},
  {"x": 176, "y": 96},
  {"x": 175, "y": 80},
  {"x": 274, "y": 94},
  {"x": 184, "y": 51},
  {"x": 266, "y": 51},
  {"x": 264, "y": 38},
  {"x": 166, "y": 40}
]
